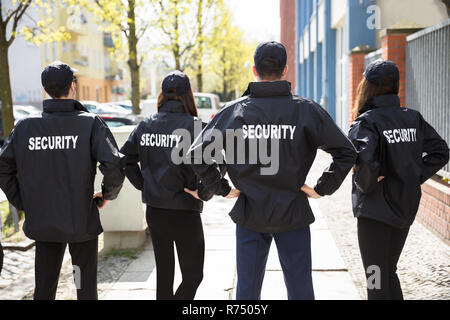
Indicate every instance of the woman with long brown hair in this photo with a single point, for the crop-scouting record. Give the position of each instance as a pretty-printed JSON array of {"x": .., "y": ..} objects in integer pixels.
[
  {"x": 173, "y": 215},
  {"x": 397, "y": 152}
]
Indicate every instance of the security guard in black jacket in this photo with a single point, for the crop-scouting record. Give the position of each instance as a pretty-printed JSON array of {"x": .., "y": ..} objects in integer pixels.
[
  {"x": 397, "y": 152},
  {"x": 173, "y": 216},
  {"x": 47, "y": 168},
  {"x": 287, "y": 130}
]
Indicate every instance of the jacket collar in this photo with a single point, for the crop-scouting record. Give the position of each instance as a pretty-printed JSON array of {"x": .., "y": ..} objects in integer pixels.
[
  {"x": 383, "y": 101},
  {"x": 268, "y": 89},
  {"x": 62, "y": 105},
  {"x": 172, "y": 106}
]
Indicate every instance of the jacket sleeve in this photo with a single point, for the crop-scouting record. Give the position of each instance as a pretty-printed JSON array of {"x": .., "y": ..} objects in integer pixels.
[
  {"x": 131, "y": 160},
  {"x": 8, "y": 173},
  {"x": 435, "y": 149},
  {"x": 210, "y": 174},
  {"x": 205, "y": 194},
  {"x": 368, "y": 166},
  {"x": 105, "y": 151},
  {"x": 331, "y": 139}
]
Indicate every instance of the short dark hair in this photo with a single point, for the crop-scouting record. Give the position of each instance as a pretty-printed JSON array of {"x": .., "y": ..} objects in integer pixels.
[
  {"x": 269, "y": 67},
  {"x": 56, "y": 90}
]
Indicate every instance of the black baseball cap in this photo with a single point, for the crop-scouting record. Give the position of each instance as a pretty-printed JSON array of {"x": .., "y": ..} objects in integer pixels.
[
  {"x": 58, "y": 73},
  {"x": 273, "y": 50},
  {"x": 381, "y": 69},
  {"x": 175, "y": 84}
]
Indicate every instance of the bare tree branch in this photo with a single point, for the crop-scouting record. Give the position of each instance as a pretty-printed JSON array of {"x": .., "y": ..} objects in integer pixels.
[
  {"x": 12, "y": 13},
  {"x": 17, "y": 17}
]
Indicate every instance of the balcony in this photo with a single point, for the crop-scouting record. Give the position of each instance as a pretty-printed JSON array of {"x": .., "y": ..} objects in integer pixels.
[
  {"x": 113, "y": 73},
  {"x": 108, "y": 40},
  {"x": 76, "y": 23},
  {"x": 77, "y": 60}
]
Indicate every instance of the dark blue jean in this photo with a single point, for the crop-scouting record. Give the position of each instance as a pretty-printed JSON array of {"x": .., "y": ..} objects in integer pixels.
[{"x": 294, "y": 252}]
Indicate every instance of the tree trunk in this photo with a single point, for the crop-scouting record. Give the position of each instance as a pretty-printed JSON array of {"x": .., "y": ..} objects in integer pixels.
[
  {"x": 133, "y": 58},
  {"x": 224, "y": 76},
  {"x": 176, "y": 56},
  {"x": 5, "y": 91},
  {"x": 176, "y": 47},
  {"x": 200, "y": 77},
  {"x": 200, "y": 46}
]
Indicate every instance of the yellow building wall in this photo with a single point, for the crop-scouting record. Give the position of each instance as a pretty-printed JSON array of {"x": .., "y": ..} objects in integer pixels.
[
  {"x": 85, "y": 51},
  {"x": 96, "y": 89}
]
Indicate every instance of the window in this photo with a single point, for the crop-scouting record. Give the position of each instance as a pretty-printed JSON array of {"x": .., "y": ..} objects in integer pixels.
[
  {"x": 47, "y": 58},
  {"x": 55, "y": 56},
  {"x": 341, "y": 78},
  {"x": 313, "y": 28},
  {"x": 107, "y": 63},
  {"x": 306, "y": 43},
  {"x": 53, "y": 8},
  {"x": 321, "y": 22},
  {"x": 300, "y": 50}
]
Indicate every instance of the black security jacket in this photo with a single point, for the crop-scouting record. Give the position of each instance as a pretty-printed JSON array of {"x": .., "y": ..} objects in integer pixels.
[
  {"x": 161, "y": 180},
  {"x": 400, "y": 145},
  {"x": 275, "y": 203},
  {"x": 53, "y": 180}
]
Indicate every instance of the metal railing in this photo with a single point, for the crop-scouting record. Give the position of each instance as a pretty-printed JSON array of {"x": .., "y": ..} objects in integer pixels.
[
  {"x": 428, "y": 78},
  {"x": 371, "y": 57}
]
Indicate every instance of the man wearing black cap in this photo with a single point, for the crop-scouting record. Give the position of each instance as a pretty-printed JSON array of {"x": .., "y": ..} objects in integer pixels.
[
  {"x": 273, "y": 204},
  {"x": 47, "y": 169}
]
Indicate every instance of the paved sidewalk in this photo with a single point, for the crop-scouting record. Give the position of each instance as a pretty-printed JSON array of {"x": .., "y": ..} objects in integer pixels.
[{"x": 330, "y": 275}]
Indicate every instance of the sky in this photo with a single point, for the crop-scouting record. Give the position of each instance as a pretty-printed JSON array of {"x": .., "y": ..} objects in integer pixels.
[{"x": 260, "y": 19}]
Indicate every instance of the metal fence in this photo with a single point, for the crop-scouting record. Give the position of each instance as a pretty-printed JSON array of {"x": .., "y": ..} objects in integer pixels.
[
  {"x": 371, "y": 57},
  {"x": 428, "y": 78}
]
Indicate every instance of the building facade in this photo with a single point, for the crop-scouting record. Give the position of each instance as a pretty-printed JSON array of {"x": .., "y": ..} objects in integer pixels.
[
  {"x": 288, "y": 37},
  {"x": 99, "y": 76},
  {"x": 336, "y": 39},
  {"x": 328, "y": 31},
  {"x": 25, "y": 67}
]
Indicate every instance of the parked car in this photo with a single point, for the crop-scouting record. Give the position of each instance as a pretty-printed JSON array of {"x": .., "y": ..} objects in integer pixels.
[
  {"x": 113, "y": 115},
  {"x": 116, "y": 108},
  {"x": 208, "y": 104},
  {"x": 21, "y": 112},
  {"x": 114, "y": 120},
  {"x": 126, "y": 104},
  {"x": 96, "y": 107},
  {"x": 148, "y": 107}
]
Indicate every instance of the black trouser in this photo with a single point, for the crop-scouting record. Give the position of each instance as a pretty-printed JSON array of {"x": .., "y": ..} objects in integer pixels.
[
  {"x": 49, "y": 257},
  {"x": 381, "y": 246},
  {"x": 184, "y": 228},
  {"x": 1, "y": 257}
]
